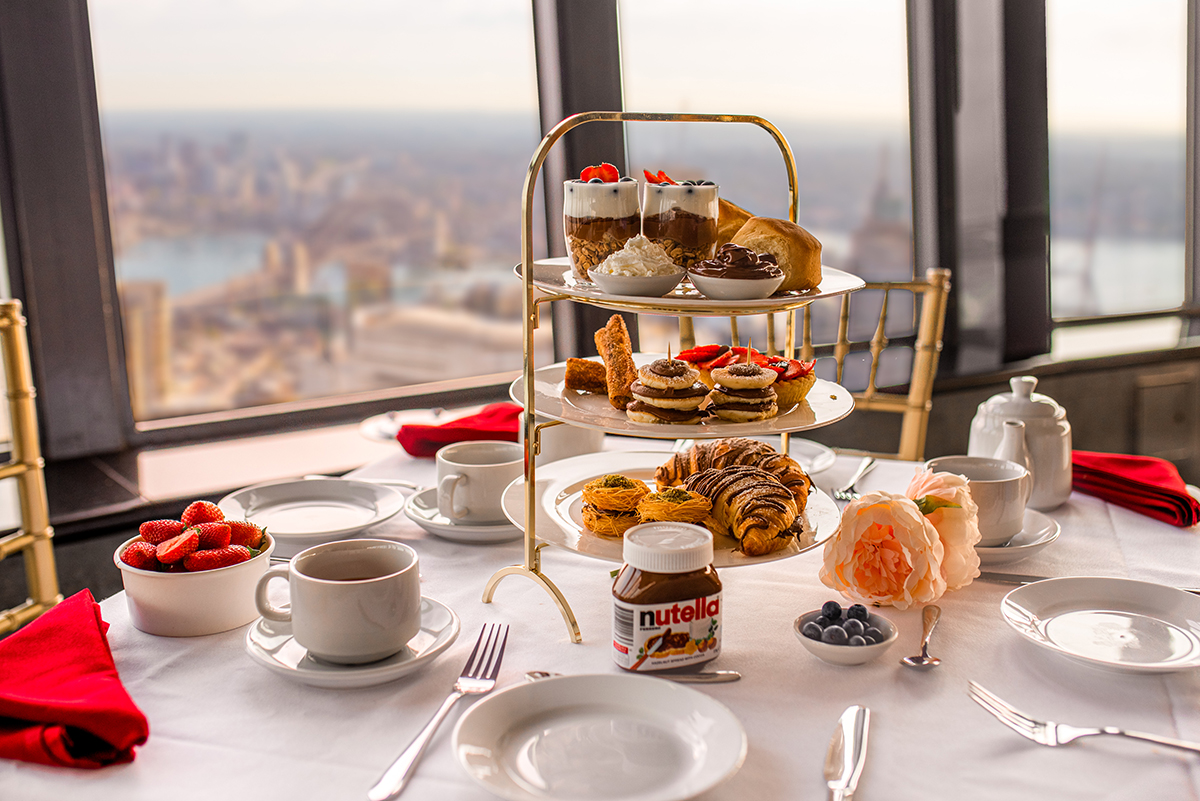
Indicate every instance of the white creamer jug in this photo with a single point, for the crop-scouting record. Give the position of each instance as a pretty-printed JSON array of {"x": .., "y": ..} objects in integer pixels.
[{"x": 1047, "y": 438}]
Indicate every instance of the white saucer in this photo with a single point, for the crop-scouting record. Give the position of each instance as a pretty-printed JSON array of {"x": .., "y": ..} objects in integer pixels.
[
  {"x": 422, "y": 509},
  {"x": 1037, "y": 532},
  {"x": 272, "y": 646}
]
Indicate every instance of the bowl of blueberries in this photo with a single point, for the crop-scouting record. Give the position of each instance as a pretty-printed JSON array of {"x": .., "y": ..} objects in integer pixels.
[{"x": 849, "y": 636}]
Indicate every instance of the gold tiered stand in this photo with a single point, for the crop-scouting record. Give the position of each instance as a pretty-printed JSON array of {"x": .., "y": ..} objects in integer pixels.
[{"x": 531, "y": 565}]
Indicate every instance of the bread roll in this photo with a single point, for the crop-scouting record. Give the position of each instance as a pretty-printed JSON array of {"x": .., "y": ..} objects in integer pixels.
[
  {"x": 797, "y": 251},
  {"x": 730, "y": 218}
]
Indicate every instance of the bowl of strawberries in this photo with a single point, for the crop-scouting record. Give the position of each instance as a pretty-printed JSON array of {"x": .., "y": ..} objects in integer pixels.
[{"x": 193, "y": 576}]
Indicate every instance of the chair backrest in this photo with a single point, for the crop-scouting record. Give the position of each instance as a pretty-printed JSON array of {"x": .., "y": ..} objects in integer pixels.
[
  {"x": 931, "y": 294},
  {"x": 26, "y": 466}
]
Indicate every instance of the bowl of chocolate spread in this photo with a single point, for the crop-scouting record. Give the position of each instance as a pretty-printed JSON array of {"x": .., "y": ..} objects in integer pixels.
[{"x": 737, "y": 273}]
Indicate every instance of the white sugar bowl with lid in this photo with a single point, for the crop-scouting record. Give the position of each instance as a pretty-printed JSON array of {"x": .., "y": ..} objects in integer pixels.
[{"x": 1047, "y": 438}]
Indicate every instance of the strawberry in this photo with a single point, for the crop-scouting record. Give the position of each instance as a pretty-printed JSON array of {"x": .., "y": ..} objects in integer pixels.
[
  {"x": 176, "y": 548},
  {"x": 702, "y": 353},
  {"x": 243, "y": 532},
  {"x": 731, "y": 356},
  {"x": 156, "y": 531},
  {"x": 142, "y": 555},
  {"x": 219, "y": 557},
  {"x": 605, "y": 172},
  {"x": 798, "y": 369},
  {"x": 660, "y": 178},
  {"x": 201, "y": 512},
  {"x": 212, "y": 535}
]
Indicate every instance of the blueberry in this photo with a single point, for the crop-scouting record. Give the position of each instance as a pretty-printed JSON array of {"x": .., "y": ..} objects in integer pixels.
[
  {"x": 831, "y": 610},
  {"x": 853, "y": 626},
  {"x": 706, "y": 183},
  {"x": 628, "y": 179},
  {"x": 858, "y": 612},
  {"x": 874, "y": 632},
  {"x": 811, "y": 630},
  {"x": 688, "y": 183},
  {"x": 596, "y": 181},
  {"x": 857, "y": 640},
  {"x": 834, "y": 635},
  {"x": 664, "y": 183},
  {"x": 822, "y": 621}
]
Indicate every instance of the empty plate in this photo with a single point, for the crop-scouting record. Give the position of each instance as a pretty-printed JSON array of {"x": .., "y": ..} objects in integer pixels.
[
  {"x": 301, "y": 513},
  {"x": 271, "y": 645},
  {"x": 1037, "y": 532},
  {"x": 1114, "y": 623},
  {"x": 422, "y": 509},
  {"x": 613, "y": 737}
]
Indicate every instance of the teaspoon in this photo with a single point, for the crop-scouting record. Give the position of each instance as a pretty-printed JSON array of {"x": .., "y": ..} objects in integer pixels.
[{"x": 924, "y": 661}]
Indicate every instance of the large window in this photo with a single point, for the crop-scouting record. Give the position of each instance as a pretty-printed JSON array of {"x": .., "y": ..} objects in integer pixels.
[{"x": 313, "y": 199}]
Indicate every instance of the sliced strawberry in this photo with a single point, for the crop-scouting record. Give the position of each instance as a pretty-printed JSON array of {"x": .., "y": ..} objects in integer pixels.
[
  {"x": 175, "y": 549},
  {"x": 728, "y": 357},
  {"x": 201, "y": 512},
  {"x": 701, "y": 353},
  {"x": 798, "y": 369},
  {"x": 243, "y": 532},
  {"x": 664, "y": 178},
  {"x": 660, "y": 178},
  {"x": 156, "y": 531},
  {"x": 589, "y": 173},
  {"x": 651, "y": 177},
  {"x": 775, "y": 363},
  {"x": 212, "y": 535},
  {"x": 142, "y": 555},
  {"x": 220, "y": 557},
  {"x": 608, "y": 173}
]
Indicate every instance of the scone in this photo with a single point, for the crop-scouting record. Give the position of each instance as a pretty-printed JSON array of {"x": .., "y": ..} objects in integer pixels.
[
  {"x": 796, "y": 251},
  {"x": 793, "y": 378},
  {"x": 742, "y": 393},
  {"x": 666, "y": 392}
]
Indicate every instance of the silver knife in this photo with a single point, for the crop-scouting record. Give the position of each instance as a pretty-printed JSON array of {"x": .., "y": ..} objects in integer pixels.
[
  {"x": 847, "y": 752},
  {"x": 1025, "y": 578}
]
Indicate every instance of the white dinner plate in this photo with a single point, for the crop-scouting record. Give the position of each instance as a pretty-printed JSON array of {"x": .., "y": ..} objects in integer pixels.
[
  {"x": 381, "y": 427},
  {"x": 422, "y": 509},
  {"x": 614, "y": 737},
  {"x": 271, "y": 645},
  {"x": 304, "y": 512},
  {"x": 554, "y": 276},
  {"x": 560, "y": 508},
  {"x": 1119, "y": 624},
  {"x": 1037, "y": 532},
  {"x": 826, "y": 403}
]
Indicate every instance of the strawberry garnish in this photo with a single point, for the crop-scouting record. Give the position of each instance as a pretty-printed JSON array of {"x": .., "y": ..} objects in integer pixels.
[
  {"x": 798, "y": 369},
  {"x": 156, "y": 531},
  {"x": 212, "y": 535},
  {"x": 605, "y": 172},
  {"x": 660, "y": 178},
  {"x": 243, "y": 532},
  {"x": 201, "y": 512},
  {"x": 142, "y": 555},
  {"x": 220, "y": 557},
  {"x": 701, "y": 353},
  {"x": 177, "y": 548},
  {"x": 786, "y": 369}
]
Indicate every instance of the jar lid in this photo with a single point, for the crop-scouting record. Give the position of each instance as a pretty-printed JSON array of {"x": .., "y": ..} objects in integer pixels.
[
  {"x": 668, "y": 547},
  {"x": 1023, "y": 403}
]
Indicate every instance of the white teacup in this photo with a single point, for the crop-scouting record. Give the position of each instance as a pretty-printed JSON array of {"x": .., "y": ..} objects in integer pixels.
[
  {"x": 1000, "y": 488},
  {"x": 563, "y": 441},
  {"x": 352, "y": 601},
  {"x": 472, "y": 477}
]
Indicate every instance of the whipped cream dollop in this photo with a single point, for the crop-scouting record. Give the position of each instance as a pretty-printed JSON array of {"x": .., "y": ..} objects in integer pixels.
[{"x": 639, "y": 257}]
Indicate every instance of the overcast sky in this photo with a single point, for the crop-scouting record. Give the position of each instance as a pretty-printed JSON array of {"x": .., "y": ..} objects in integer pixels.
[{"x": 1113, "y": 63}]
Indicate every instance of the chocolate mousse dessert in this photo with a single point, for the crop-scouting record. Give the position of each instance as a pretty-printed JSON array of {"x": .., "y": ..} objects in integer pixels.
[
  {"x": 666, "y": 392},
  {"x": 682, "y": 218},
  {"x": 600, "y": 214}
]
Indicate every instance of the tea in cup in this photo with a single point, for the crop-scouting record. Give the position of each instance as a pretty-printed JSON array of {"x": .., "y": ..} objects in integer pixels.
[
  {"x": 1001, "y": 489},
  {"x": 472, "y": 477},
  {"x": 352, "y": 601}
]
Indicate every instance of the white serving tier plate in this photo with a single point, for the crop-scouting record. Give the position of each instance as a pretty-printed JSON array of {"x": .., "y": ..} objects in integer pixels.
[
  {"x": 381, "y": 427},
  {"x": 1118, "y": 624},
  {"x": 560, "y": 520},
  {"x": 304, "y": 512},
  {"x": 554, "y": 277},
  {"x": 613, "y": 737},
  {"x": 422, "y": 509},
  {"x": 271, "y": 645},
  {"x": 1038, "y": 531},
  {"x": 826, "y": 403}
]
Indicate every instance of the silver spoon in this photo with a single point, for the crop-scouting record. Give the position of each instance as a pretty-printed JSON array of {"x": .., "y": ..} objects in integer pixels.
[{"x": 924, "y": 661}]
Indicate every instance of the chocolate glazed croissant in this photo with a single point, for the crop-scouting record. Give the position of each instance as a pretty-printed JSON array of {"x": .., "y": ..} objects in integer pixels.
[
  {"x": 736, "y": 450},
  {"x": 749, "y": 504}
]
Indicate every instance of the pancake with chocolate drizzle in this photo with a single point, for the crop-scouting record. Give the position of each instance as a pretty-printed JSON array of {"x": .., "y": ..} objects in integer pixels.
[{"x": 666, "y": 392}]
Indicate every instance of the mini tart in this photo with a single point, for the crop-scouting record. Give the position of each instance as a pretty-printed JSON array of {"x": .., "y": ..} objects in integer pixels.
[
  {"x": 668, "y": 374},
  {"x": 674, "y": 505},
  {"x": 793, "y": 379},
  {"x": 614, "y": 493}
]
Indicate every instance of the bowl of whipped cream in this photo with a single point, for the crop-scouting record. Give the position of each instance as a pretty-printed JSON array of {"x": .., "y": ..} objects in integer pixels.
[{"x": 641, "y": 268}]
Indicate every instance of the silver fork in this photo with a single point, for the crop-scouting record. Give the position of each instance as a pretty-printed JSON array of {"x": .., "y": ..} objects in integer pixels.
[
  {"x": 478, "y": 677},
  {"x": 1046, "y": 732},
  {"x": 848, "y": 492}
]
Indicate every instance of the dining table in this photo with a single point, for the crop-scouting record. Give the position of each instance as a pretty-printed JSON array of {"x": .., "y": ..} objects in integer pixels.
[{"x": 222, "y": 726}]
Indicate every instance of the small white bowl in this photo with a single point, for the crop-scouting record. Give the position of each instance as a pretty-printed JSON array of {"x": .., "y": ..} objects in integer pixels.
[
  {"x": 735, "y": 288},
  {"x": 192, "y": 604},
  {"x": 848, "y": 654},
  {"x": 646, "y": 286}
]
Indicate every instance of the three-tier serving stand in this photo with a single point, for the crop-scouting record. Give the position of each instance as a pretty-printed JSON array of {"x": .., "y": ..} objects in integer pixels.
[{"x": 535, "y": 296}]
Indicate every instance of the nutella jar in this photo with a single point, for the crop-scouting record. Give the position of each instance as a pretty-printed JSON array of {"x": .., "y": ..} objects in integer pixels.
[{"x": 666, "y": 599}]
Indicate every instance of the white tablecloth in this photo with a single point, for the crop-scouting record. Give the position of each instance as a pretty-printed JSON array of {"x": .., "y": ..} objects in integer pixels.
[{"x": 221, "y": 726}]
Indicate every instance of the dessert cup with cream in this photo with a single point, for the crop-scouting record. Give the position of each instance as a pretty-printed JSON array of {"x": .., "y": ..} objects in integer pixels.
[
  {"x": 682, "y": 218},
  {"x": 598, "y": 219}
]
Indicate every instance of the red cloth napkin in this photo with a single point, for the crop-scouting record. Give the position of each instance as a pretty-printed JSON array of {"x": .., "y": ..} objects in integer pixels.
[
  {"x": 1144, "y": 484},
  {"x": 497, "y": 421},
  {"x": 61, "y": 700}
]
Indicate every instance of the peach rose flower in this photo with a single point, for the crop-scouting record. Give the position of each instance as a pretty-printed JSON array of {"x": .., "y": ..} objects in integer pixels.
[
  {"x": 885, "y": 552},
  {"x": 945, "y": 500}
]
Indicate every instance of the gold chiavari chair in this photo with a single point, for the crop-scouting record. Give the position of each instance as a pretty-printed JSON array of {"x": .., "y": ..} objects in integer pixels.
[{"x": 26, "y": 466}]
